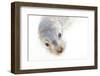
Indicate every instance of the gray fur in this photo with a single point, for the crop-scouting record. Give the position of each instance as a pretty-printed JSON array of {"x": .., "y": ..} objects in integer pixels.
[{"x": 49, "y": 28}]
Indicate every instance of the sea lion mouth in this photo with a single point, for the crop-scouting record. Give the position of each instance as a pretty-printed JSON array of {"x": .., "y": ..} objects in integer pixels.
[
  {"x": 57, "y": 47},
  {"x": 60, "y": 50}
]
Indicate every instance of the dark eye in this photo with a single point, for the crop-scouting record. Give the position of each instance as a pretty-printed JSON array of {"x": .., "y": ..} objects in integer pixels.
[
  {"x": 59, "y": 35},
  {"x": 47, "y": 44}
]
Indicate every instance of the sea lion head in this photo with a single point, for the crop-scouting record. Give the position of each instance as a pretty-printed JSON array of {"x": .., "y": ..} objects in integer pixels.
[{"x": 51, "y": 33}]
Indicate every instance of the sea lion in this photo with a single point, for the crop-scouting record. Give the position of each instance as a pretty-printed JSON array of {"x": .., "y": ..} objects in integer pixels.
[{"x": 51, "y": 32}]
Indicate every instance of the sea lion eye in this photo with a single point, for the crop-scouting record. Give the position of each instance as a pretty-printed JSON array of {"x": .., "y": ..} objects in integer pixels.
[
  {"x": 47, "y": 44},
  {"x": 59, "y": 35}
]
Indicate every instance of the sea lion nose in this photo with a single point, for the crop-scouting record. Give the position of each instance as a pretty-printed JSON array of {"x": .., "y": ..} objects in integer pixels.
[{"x": 60, "y": 50}]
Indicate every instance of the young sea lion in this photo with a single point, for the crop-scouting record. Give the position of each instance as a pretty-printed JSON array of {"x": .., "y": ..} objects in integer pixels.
[{"x": 51, "y": 32}]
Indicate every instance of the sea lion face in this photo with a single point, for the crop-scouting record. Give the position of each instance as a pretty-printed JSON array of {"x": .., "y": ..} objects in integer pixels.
[
  {"x": 55, "y": 44},
  {"x": 50, "y": 33}
]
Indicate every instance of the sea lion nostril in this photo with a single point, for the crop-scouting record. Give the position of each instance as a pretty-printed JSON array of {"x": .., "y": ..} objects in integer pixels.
[{"x": 60, "y": 50}]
